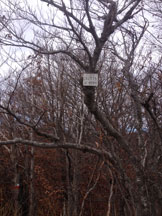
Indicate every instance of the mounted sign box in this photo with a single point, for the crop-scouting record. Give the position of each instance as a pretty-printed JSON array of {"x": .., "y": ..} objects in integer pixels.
[{"x": 90, "y": 79}]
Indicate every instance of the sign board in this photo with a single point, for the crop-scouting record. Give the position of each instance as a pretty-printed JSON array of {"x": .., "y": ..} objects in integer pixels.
[{"x": 90, "y": 79}]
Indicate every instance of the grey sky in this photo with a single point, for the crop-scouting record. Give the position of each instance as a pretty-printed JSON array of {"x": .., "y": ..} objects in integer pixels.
[{"x": 43, "y": 10}]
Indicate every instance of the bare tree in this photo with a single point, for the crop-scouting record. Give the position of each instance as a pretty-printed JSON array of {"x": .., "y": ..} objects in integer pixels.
[{"x": 99, "y": 37}]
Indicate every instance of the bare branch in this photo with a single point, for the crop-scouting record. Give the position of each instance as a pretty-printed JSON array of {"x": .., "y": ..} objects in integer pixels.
[
  {"x": 56, "y": 145},
  {"x": 18, "y": 119},
  {"x": 69, "y": 14}
]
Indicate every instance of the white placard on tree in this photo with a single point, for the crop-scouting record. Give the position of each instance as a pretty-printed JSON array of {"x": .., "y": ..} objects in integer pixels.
[{"x": 90, "y": 79}]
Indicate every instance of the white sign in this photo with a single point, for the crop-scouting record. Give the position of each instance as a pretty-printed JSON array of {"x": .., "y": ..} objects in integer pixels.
[{"x": 90, "y": 79}]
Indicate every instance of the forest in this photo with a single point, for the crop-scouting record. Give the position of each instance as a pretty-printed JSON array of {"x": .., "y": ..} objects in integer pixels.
[{"x": 69, "y": 147}]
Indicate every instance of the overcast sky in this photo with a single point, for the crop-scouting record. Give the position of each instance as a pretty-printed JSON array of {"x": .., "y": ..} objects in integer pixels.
[{"x": 18, "y": 53}]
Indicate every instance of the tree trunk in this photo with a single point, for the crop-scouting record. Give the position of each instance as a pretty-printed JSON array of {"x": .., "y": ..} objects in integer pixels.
[
  {"x": 142, "y": 199},
  {"x": 76, "y": 183},
  {"x": 69, "y": 180},
  {"x": 31, "y": 190},
  {"x": 16, "y": 179}
]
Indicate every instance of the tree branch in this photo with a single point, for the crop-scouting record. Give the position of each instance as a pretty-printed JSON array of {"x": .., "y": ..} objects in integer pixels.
[{"x": 57, "y": 145}]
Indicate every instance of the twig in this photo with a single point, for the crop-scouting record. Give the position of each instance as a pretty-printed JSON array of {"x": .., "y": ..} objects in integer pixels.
[
  {"x": 93, "y": 186},
  {"x": 111, "y": 192}
]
